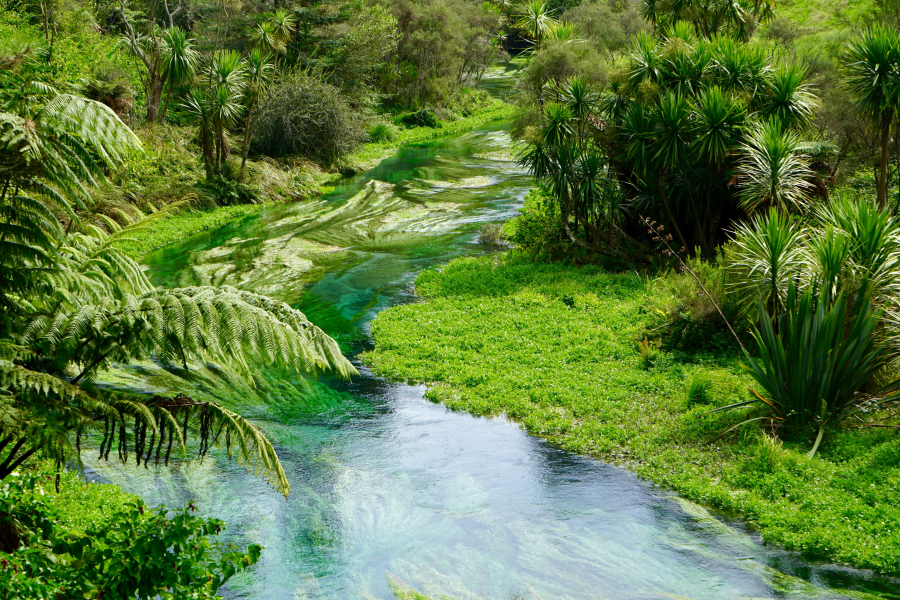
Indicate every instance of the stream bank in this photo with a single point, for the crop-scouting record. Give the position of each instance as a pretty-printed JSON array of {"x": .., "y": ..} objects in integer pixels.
[
  {"x": 185, "y": 223},
  {"x": 558, "y": 349}
]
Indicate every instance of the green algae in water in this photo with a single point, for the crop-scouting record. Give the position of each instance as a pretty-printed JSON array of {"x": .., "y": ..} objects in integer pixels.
[{"x": 385, "y": 482}]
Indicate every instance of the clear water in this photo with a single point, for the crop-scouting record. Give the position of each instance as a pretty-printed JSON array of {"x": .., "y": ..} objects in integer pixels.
[{"x": 388, "y": 485}]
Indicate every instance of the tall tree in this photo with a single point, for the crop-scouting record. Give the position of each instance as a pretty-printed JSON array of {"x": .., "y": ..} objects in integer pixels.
[
  {"x": 872, "y": 66},
  {"x": 151, "y": 49},
  {"x": 260, "y": 71},
  {"x": 180, "y": 63}
]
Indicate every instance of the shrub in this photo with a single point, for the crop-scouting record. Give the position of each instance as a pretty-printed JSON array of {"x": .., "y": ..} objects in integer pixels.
[
  {"x": 815, "y": 359},
  {"x": 492, "y": 235},
  {"x": 467, "y": 101},
  {"x": 42, "y": 559},
  {"x": 691, "y": 314},
  {"x": 422, "y": 118},
  {"x": 537, "y": 231},
  {"x": 227, "y": 192},
  {"x": 382, "y": 132},
  {"x": 649, "y": 352},
  {"x": 310, "y": 117},
  {"x": 700, "y": 389}
]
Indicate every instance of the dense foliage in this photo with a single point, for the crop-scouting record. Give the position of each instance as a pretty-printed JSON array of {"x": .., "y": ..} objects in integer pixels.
[
  {"x": 305, "y": 115},
  {"x": 570, "y": 353},
  {"x": 136, "y": 552},
  {"x": 755, "y": 158},
  {"x": 74, "y": 304}
]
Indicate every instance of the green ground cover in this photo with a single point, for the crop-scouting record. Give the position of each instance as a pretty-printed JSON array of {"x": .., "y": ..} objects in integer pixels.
[
  {"x": 562, "y": 350},
  {"x": 368, "y": 155}
]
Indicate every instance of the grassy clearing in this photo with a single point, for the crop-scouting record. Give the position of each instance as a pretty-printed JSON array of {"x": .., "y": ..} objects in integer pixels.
[{"x": 562, "y": 350}]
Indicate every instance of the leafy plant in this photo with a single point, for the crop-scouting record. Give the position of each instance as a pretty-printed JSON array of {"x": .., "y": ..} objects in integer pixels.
[
  {"x": 74, "y": 304},
  {"x": 772, "y": 170},
  {"x": 535, "y": 20},
  {"x": 815, "y": 360},
  {"x": 382, "y": 132},
  {"x": 767, "y": 257},
  {"x": 700, "y": 389},
  {"x": 872, "y": 67},
  {"x": 136, "y": 552},
  {"x": 649, "y": 351}
]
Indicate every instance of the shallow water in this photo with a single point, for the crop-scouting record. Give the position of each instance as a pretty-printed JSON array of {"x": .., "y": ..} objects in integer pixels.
[{"x": 387, "y": 484}]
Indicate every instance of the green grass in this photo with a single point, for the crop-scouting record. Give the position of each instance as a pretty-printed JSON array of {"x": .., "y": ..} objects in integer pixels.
[
  {"x": 80, "y": 505},
  {"x": 179, "y": 225},
  {"x": 368, "y": 155},
  {"x": 557, "y": 348}
]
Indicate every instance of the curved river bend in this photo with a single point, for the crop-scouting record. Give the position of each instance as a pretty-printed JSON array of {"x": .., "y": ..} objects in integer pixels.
[{"x": 386, "y": 484}]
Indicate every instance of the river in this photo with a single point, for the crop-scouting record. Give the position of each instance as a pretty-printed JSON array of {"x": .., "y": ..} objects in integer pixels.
[{"x": 386, "y": 484}]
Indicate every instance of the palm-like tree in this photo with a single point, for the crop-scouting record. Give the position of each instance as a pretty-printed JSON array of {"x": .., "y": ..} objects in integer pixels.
[
  {"x": 719, "y": 119},
  {"x": 566, "y": 33},
  {"x": 218, "y": 106},
  {"x": 77, "y": 304},
  {"x": 275, "y": 33},
  {"x": 872, "y": 65},
  {"x": 789, "y": 99},
  {"x": 214, "y": 110},
  {"x": 768, "y": 258},
  {"x": 591, "y": 203},
  {"x": 259, "y": 72},
  {"x": 285, "y": 25},
  {"x": 264, "y": 37},
  {"x": 180, "y": 63},
  {"x": 535, "y": 19},
  {"x": 772, "y": 171}
]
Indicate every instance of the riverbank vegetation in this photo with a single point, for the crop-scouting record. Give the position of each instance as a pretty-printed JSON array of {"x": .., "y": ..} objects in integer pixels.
[
  {"x": 583, "y": 357},
  {"x": 702, "y": 284}
]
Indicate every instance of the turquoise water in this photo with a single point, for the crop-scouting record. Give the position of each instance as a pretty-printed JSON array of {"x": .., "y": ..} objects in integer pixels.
[{"x": 388, "y": 485}]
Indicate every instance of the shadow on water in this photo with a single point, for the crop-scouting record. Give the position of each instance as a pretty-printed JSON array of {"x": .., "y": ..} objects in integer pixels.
[{"x": 385, "y": 482}]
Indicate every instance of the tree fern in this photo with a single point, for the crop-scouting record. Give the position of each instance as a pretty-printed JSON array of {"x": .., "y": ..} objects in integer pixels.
[{"x": 73, "y": 304}]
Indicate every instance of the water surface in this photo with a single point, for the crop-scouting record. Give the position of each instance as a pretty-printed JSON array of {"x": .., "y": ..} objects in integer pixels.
[{"x": 386, "y": 484}]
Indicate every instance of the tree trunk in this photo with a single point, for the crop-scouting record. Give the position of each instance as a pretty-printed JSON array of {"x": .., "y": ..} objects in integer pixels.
[
  {"x": 247, "y": 131},
  {"x": 882, "y": 170},
  {"x": 165, "y": 109},
  {"x": 672, "y": 217},
  {"x": 154, "y": 95}
]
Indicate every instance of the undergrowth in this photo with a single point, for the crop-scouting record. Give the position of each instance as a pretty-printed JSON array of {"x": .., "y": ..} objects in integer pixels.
[{"x": 563, "y": 350}]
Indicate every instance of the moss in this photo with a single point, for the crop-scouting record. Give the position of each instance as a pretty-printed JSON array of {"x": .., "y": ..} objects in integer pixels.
[{"x": 556, "y": 348}]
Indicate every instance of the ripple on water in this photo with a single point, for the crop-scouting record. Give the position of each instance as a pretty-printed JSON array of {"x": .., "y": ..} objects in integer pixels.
[{"x": 385, "y": 483}]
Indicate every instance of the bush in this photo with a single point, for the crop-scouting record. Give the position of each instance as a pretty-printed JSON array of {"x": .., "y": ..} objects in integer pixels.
[
  {"x": 537, "y": 231},
  {"x": 422, "y": 118},
  {"x": 382, "y": 132},
  {"x": 700, "y": 389},
  {"x": 492, "y": 235},
  {"x": 816, "y": 358},
  {"x": 467, "y": 101},
  {"x": 40, "y": 558},
  {"x": 227, "y": 192},
  {"x": 310, "y": 117}
]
